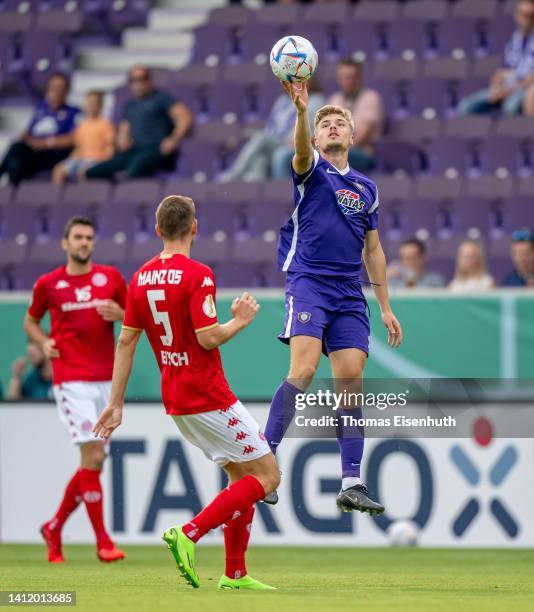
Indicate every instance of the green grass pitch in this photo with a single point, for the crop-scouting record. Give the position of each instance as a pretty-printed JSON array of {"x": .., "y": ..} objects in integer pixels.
[{"x": 307, "y": 579}]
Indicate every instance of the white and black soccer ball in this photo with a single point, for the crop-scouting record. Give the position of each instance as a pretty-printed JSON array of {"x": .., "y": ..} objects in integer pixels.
[
  {"x": 293, "y": 59},
  {"x": 403, "y": 533}
]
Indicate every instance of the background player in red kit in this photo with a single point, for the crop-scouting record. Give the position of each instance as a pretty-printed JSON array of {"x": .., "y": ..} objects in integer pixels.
[
  {"x": 172, "y": 298},
  {"x": 84, "y": 299}
]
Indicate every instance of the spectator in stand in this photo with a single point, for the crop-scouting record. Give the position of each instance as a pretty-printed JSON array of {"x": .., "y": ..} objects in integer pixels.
[
  {"x": 93, "y": 141},
  {"x": 522, "y": 253},
  {"x": 268, "y": 152},
  {"x": 511, "y": 88},
  {"x": 409, "y": 271},
  {"x": 471, "y": 269},
  {"x": 152, "y": 127},
  {"x": 367, "y": 110},
  {"x": 49, "y": 137},
  {"x": 37, "y": 383}
]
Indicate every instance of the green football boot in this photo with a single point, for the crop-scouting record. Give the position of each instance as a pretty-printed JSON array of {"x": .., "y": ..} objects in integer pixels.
[
  {"x": 183, "y": 551},
  {"x": 247, "y": 582}
]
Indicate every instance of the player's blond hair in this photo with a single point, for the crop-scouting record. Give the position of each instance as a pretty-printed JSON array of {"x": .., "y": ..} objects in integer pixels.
[
  {"x": 174, "y": 216},
  {"x": 331, "y": 109}
]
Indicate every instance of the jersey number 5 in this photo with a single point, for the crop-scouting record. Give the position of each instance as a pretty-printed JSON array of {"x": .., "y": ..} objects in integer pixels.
[{"x": 160, "y": 318}]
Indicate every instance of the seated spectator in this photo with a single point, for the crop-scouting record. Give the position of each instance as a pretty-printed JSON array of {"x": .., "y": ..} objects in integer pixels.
[
  {"x": 49, "y": 137},
  {"x": 268, "y": 152},
  {"x": 367, "y": 110},
  {"x": 37, "y": 383},
  {"x": 511, "y": 88},
  {"x": 410, "y": 269},
  {"x": 471, "y": 270},
  {"x": 152, "y": 127},
  {"x": 93, "y": 141},
  {"x": 522, "y": 253}
]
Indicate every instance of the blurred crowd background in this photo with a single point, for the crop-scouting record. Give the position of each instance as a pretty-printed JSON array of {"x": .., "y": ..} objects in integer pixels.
[{"x": 105, "y": 107}]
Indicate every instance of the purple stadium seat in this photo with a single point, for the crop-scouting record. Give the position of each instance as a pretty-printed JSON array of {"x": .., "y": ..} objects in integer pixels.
[
  {"x": 220, "y": 133},
  {"x": 7, "y": 194},
  {"x": 490, "y": 187},
  {"x": 381, "y": 11},
  {"x": 47, "y": 251},
  {"x": 199, "y": 192},
  {"x": 278, "y": 191},
  {"x": 517, "y": 126},
  {"x": 446, "y": 68},
  {"x": 213, "y": 40},
  {"x": 273, "y": 276},
  {"x": 360, "y": 38},
  {"x": 46, "y": 52},
  {"x": 13, "y": 251},
  {"x": 13, "y": 21},
  {"x": 13, "y": 222},
  {"x": 423, "y": 10},
  {"x": 518, "y": 213},
  {"x": 196, "y": 74},
  {"x": 248, "y": 73},
  {"x": 456, "y": 34},
  {"x": 89, "y": 193},
  {"x": 238, "y": 192},
  {"x": 392, "y": 155},
  {"x": 58, "y": 20},
  {"x": 122, "y": 14},
  {"x": 438, "y": 187},
  {"x": 238, "y": 274},
  {"x": 416, "y": 130},
  {"x": 38, "y": 194},
  {"x": 484, "y": 67},
  {"x": 265, "y": 217},
  {"x": 391, "y": 94},
  {"x": 258, "y": 38},
  {"x": 255, "y": 250},
  {"x": 232, "y": 16},
  {"x": 58, "y": 216},
  {"x": 197, "y": 156},
  {"x": 209, "y": 251},
  {"x": 329, "y": 13},
  {"x": 422, "y": 214},
  {"x": 499, "y": 152},
  {"x": 474, "y": 9},
  {"x": 391, "y": 188},
  {"x": 24, "y": 276},
  {"x": 473, "y": 214},
  {"x": 470, "y": 128},
  {"x": 109, "y": 251},
  {"x": 283, "y": 15},
  {"x": 449, "y": 153},
  {"x": 235, "y": 100},
  {"x": 396, "y": 69},
  {"x": 407, "y": 36},
  {"x": 221, "y": 217},
  {"x": 144, "y": 250},
  {"x": 137, "y": 192},
  {"x": 428, "y": 96},
  {"x": 499, "y": 32},
  {"x": 525, "y": 186}
]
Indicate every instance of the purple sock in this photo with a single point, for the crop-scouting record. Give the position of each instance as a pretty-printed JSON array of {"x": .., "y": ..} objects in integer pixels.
[
  {"x": 281, "y": 414},
  {"x": 350, "y": 439}
]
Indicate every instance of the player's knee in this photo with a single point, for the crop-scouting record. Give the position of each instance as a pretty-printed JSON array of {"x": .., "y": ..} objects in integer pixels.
[{"x": 303, "y": 372}]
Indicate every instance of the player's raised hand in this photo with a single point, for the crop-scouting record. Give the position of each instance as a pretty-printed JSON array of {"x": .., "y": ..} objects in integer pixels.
[
  {"x": 394, "y": 329},
  {"x": 49, "y": 348},
  {"x": 110, "y": 311},
  {"x": 109, "y": 420},
  {"x": 245, "y": 308},
  {"x": 298, "y": 92}
]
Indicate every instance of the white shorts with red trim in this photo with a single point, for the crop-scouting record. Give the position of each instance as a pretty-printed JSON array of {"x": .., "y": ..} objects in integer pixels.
[
  {"x": 79, "y": 405},
  {"x": 229, "y": 435}
]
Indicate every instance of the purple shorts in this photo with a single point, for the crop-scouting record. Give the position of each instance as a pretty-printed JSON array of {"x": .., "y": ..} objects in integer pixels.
[{"x": 331, "y": 309}]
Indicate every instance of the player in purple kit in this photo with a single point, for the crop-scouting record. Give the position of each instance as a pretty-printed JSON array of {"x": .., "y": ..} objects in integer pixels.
[{"x": 332, "y": 231}]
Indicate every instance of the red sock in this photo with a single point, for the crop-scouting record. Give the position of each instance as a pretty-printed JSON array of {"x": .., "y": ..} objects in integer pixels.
[
  {"x": 91, "y": 491},
  {"x": 236, "y": 537},
  {"x": 228, "y": 505},
  {"x": 71, "y": 500}
]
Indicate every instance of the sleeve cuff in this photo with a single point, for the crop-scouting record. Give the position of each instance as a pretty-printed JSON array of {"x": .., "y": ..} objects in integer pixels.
[
  {"x": 207, "y": 327},
  {"x": 135, "y": 329}
]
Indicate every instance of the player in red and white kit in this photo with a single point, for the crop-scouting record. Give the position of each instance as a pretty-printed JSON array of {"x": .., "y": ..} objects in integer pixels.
[
  {"x": 84, "y": 299},
  {"x": 172, "y": 298}
]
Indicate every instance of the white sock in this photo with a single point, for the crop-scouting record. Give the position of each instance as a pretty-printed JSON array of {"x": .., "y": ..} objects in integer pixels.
[{"x": 350, "y": 481}]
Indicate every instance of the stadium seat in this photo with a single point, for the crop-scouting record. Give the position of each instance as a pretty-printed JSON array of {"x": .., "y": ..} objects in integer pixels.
[
  {"x": 474, "y": 9},
  {"x": 469, "y": 128},
  {"x": 137, "y": 192},
  {"x": 210, "y": 250},
  {"x": 393, "y": 155},
  {"x": 490, "y": 186},
  {"x": 88, "y": 194},
  {"x": 199, "y": 192},
  {"x": 283, "y": 15},
  {"x": 231, "y": 16},
  {"x": 438, "y": 187},
  {"x": 416, "y": 130},
  {"x": 381, "y": 11},
  {"x": 422, "y": 10},
  {"x": 38, "y": 194},
  {"x": 447, "y": 154}
]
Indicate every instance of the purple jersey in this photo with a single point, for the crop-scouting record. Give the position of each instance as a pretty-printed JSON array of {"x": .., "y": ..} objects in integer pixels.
[{"x": 334, "y": 209}]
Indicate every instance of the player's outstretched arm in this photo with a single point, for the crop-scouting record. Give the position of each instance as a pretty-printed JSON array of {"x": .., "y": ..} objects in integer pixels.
[
  {"x": 303, "y": 158},
  {"x": 111, "y": 417},
  {"x": 375, "y": 264},
  {"x": 244, "y": 309}
]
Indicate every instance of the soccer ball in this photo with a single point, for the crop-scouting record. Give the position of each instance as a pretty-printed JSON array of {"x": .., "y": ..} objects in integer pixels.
[
  {"x": 403, "y": 533},
  {"x": 293, "y": 59}
]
